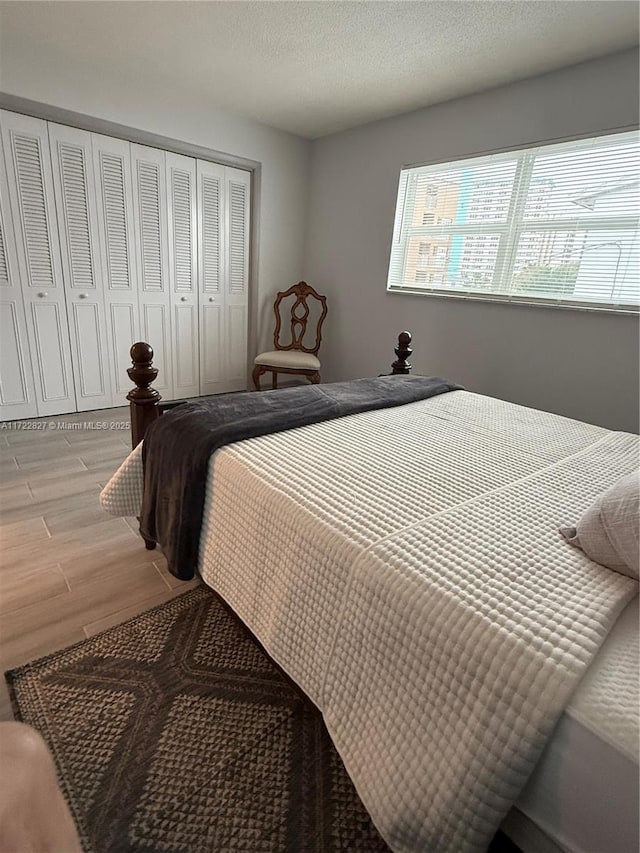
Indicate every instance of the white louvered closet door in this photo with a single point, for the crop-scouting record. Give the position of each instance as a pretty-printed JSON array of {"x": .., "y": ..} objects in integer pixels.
[
  {"x": 104, "y": 242},
  {"x": 237, "y": 221},
  {"x": 114, "y": 192},
  {"x": 17, "y": 392},
  {"x": 223, "y": 270},
  {"x": 72, "y": 163},
  {"x": 211, "y": 265},
  {"x": 148, "y": 169},
  {"x": 32, "y": 210},
  {"x": 181, "y": 193}
]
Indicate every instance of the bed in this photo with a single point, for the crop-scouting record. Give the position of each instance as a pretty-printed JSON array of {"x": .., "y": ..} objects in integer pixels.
[{"x": 403, "y": 565}]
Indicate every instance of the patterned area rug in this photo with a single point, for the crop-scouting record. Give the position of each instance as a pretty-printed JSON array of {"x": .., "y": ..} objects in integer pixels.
[{"x": 175, "y": 732}]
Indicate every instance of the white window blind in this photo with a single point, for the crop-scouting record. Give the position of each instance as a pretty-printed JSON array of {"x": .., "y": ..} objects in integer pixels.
[{"x": 556, "y": 224}]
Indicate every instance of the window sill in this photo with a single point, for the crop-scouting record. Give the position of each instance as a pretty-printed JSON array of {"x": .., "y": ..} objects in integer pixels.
[{"x": 631, "y": 311}]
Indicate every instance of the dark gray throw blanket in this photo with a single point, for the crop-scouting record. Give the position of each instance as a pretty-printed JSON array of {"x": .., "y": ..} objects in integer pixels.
[{"x": 178, "y": 445}]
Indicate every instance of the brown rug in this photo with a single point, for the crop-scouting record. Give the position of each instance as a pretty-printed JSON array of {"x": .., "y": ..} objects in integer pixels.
[{"x": 175, "y": 732}]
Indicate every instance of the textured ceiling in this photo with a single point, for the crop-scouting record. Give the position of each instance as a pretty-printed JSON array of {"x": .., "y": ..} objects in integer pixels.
[{"x": 317, "y": 66}]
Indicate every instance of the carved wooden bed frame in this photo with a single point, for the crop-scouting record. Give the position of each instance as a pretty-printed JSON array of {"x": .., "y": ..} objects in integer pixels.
[{"x": 145, "y": 402}]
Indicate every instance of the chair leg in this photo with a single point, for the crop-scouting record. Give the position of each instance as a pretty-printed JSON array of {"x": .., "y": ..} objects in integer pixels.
[
  {"x": 258, "y": 370},
  {"x": 274, "y": 379},
  {"x": 314, "y": 378}
]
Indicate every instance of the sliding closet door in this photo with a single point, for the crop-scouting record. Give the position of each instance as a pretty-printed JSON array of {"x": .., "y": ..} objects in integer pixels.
[
  {"x": 114, "y": 195},
  {"x": 211, "y": 251},
  {"x": 181, "y": 189},
  {"x": 72, "y": 162},
  {"x": 17, "y": 393},
  {"x": 32, "y": 210},
  {"x": 148, "y": 169},
  {"x": 102, "y": 243},
  {"x": 237, "y": 219}
]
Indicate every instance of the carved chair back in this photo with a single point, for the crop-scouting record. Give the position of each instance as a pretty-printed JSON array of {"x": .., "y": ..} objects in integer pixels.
[{"x": 297, "y": 317}]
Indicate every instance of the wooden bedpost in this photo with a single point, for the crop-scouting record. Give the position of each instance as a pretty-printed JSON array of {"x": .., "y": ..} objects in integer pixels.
[
  {"x": 403, "y": 351},
  {"x": 143, "y": 400}
]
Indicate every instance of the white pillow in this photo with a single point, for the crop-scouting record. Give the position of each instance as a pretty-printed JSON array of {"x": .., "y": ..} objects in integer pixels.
[{"x": 609, "y": 531}]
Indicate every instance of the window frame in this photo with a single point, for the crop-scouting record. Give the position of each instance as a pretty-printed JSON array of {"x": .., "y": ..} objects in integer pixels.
[{"x": 508, "y": 247}]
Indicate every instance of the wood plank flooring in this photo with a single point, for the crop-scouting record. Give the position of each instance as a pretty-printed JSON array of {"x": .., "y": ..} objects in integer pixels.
[{"x": 67, "y": 569}]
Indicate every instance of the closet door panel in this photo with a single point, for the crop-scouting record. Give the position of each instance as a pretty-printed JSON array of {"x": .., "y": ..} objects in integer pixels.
[
  {"x": 17, "y": 392},
  {"x": 33, "y": 257},
  {"x": 181, "y": 193},
  {"x": 72, "y": 161},
  {"x": 124, "y": 330},
  {"x": 210, "y": 228},
  {"x": 236, "y": 347},
  {"x": 90, "y": 370},
  {"x": 14, "y": 392},
  {"x": 50, "y": 352},
  {"x": 114, "y": 192},
  {"x": 211, "y": 348},
  {"x": 185, "y": 350},
  {"x": 148, "y": 168},
  {"x": 156, "y": 329},
  {"x": 211, "y": 252},
  {"x": 237, "y": 222},
  {"x": 237, "y": 232}
]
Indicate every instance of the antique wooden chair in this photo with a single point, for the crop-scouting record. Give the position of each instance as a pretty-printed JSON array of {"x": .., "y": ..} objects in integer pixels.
[{"x": 300, "y": 311}]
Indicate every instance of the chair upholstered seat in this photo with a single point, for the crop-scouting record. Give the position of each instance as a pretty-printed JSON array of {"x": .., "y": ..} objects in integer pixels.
[{"x": 289, "y": 358}]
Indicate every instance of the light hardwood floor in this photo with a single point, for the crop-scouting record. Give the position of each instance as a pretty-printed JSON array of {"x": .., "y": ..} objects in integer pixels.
[{"x": 67, "y": 569}]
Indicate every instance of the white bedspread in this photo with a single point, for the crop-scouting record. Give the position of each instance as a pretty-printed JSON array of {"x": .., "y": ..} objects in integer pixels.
[{"x": 412, "y": 580}]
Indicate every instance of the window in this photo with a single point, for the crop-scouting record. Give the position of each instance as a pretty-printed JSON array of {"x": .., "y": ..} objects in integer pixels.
[{"x": 556, "y": 224}]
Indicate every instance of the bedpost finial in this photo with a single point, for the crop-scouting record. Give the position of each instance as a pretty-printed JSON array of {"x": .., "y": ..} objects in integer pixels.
[
  {"x": 141, "y": 353},
  {"x": 142, "y": 373},
  {"x": 403, "y": 351}
]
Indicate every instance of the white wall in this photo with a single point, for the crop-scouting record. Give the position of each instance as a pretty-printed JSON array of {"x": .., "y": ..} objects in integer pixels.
[
  {"x": 579, "y": 364},
  {"x": 45, "y": 76}
]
